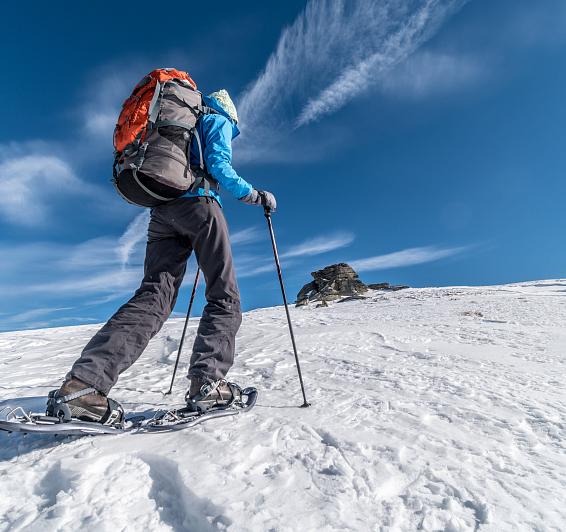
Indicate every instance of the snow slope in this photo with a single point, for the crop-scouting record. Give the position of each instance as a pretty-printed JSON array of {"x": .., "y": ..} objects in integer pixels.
[{"x": 433, "y": 409}]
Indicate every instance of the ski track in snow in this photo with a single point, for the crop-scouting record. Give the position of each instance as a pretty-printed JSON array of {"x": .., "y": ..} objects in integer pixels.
[{"x": 433, "y": 409}]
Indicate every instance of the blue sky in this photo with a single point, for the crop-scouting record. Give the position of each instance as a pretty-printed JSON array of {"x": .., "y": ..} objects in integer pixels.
[{"x": 420, "y": 141}]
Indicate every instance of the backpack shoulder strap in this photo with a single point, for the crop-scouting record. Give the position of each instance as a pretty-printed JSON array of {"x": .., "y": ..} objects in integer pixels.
[{"x": 209, "y": 110}]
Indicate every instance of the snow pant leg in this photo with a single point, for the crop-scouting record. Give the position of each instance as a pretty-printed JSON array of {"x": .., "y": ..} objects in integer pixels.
[
  {"x": 124, "y": 337},
  {"x": 214, "y": 346}
]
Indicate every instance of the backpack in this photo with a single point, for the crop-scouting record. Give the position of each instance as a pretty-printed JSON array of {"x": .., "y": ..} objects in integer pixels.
[{"x": 152, "y": 140}]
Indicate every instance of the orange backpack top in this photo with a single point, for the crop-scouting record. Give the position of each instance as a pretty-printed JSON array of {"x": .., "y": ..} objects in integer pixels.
[{"x": 132, "y": 123}]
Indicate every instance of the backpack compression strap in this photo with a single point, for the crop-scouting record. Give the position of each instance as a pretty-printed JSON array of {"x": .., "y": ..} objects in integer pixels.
[{"x": 202, "y": 177}]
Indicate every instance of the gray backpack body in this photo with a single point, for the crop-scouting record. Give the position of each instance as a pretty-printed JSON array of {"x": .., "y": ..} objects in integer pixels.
[{"x": 155, "y": 131}]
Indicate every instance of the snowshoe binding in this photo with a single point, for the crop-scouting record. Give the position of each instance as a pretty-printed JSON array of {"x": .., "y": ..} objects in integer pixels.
[
  {"x": 204, "y": 395},
  {"x": 76, "y": 400}
]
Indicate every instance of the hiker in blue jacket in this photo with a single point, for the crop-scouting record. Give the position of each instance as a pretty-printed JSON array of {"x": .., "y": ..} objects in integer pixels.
[
  {"x": 218, "y": 131},
  {"x": 193, "y": 222}
]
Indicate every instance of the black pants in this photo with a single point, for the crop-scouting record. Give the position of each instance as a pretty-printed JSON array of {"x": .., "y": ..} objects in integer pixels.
[{"x": 175, "y": 229}]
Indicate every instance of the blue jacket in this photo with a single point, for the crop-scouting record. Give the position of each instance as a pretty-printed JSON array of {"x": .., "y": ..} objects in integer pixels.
[{"x": 216, "y": 132}]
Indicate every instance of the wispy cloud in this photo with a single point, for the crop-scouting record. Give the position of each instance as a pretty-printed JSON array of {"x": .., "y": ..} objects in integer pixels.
[
  {"x": 33, "y": 314},
  {"x": 30, "y": 322},
  {"x": 334, "y": 51},
  {"x": 105, "y": 93},
  {"x": 134, "y": 235},
  {"x": 100, "y": 122},
  {"x": 106, "y": 252},
  {"x": 28, "y": 182},
  {"x": 429, "y": 73},
  {"x": 36, "y": 174},
  {"x": 253, "y": 271},
  {"x": 407, "y": 257},
  {"x": 107, "y": 267},
  {"x": 102, "y": 103},
  {"x": 114, "y": 282},
  {"x": 251, "y": 265},
  {"x": 41, "y": 317},
  {"x": 319, "y": 245},
  {"x": 104, "y": 267},
  {"x": 403, "y": 36},
  {"x": 246, "y": 236}
]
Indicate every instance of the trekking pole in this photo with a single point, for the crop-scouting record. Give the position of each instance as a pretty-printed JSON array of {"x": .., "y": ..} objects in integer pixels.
[
  {"x": 267, "y": 213},
  {"x": 184, "y": 331}
]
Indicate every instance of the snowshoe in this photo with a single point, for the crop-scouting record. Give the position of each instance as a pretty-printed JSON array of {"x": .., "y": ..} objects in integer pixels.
[
  {"x": 76, "y": 400},
  {"x": 217, "y": 403}
]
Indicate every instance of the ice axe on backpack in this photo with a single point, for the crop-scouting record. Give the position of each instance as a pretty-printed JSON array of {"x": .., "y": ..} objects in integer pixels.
[{"x": 267, "y": 212}]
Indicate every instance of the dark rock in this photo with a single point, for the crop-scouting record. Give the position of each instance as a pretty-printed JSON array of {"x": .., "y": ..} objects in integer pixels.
[
  {"x": 351, "y": 298},
  {"x": 331, "y": 283},
  {"x": 474, "y": 313},
  {"x": 379, "y": 286},
  {"x": 387, "y": 286}
]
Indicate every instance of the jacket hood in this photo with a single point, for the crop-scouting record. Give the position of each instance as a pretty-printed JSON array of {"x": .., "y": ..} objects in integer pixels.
[{"x": 211, "y": 101}]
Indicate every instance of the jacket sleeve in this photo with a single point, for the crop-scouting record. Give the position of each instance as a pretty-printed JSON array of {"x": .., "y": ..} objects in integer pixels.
[{"x": 218, "y": 157}]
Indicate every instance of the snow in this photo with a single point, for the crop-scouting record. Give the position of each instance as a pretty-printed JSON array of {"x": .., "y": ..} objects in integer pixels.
[{"x": 433, "y": 409}]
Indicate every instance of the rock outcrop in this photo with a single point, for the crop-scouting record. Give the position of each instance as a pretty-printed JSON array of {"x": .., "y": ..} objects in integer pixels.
[
  {"x": 338, "y": 282},
  {"x": 331, "y": 283}
]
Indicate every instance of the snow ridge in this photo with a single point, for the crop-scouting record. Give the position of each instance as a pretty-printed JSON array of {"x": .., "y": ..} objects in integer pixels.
[{"x": 433, "y": 409}]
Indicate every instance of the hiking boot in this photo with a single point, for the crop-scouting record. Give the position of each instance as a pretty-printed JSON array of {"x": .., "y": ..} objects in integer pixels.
[
  {"x": 204, "y": 395},
  {"x": 78, "y": 400}
]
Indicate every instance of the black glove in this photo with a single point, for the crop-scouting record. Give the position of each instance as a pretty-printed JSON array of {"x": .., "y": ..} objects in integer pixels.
[{"x": 261, "y": 197}]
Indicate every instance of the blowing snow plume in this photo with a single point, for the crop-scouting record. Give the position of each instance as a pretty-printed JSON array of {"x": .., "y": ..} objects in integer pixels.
[{"x": 334, "y": 51}]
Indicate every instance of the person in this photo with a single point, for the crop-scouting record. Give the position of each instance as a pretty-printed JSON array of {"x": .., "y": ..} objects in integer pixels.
[{"x": 193, "y": 222}]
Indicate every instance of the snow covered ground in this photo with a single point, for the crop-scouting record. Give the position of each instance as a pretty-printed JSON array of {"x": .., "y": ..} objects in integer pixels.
[{"x": 433, "y": 409}]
